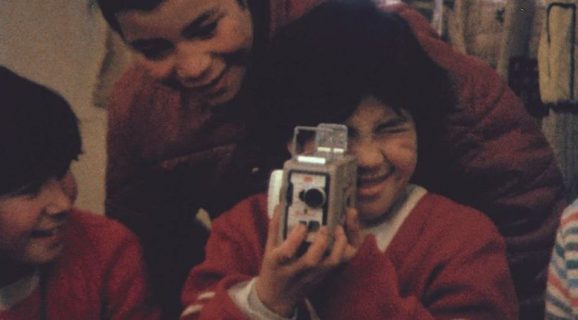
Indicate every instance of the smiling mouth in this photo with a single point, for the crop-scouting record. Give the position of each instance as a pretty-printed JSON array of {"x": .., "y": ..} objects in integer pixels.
[
  {"x": 47, "y": 233},
  {"x": 212, "y": 85},
  {"x": 369, "y": 187}
]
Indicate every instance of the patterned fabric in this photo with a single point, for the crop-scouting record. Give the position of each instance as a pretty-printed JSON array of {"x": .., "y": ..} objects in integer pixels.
[{"x": 562, "y": 294}]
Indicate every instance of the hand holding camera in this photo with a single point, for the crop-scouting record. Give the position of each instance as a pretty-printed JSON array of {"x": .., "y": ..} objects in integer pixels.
[
  {"x": 286, "y": 277},
  {"x": 314, "y": 227}
]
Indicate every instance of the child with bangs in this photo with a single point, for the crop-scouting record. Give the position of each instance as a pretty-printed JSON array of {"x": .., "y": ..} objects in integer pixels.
[
  {"x": 404, "y": 252},
  {"x": 56, "y": 262}
]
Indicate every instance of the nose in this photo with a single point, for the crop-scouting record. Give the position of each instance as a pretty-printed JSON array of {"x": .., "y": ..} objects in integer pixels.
[
  {"x": 59, "y": 197},
  {"x": 369, "y": 155},
  {"x": 192, "y": 66}
]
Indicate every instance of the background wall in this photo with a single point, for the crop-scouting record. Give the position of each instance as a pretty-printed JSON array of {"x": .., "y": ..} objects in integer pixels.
[
  {"x": 61, "y": 43},
  {"x": 66, "y": 45}
]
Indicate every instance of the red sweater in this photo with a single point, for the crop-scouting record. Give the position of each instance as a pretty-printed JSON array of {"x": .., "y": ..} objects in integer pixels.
[
  {"x": 99, "y": 275},
  {"x": 446, "y": 261},
  {"x": 165, "y": 161}
]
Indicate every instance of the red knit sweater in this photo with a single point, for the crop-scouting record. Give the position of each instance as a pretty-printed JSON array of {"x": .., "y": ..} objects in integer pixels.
[
  {"x": 446, "y": 261},
  {"x": 99, "y": 275}
]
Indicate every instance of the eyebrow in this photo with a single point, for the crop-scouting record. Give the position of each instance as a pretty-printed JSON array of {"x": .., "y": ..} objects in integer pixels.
[
  {"x": 189, "y": 29},
  {"x": 192, "y": 27},
  {"x": 398, "y": 120}
]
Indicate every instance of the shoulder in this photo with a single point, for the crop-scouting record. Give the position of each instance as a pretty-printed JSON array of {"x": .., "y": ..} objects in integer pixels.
[
  {"x": 569, "y": 220},
  {"x": 250, "y": 212},
  {"x": 451, "y": 220},
  {"x": 91, "y": 234},
  {"x": 135, "y": 90}
]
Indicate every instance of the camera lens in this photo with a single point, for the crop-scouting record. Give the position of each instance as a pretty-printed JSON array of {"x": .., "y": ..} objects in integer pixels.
[{"x": 313, "y": 197}]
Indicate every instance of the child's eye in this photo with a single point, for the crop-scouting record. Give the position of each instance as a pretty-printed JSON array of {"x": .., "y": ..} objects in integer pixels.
[
  {"x": 207, "y": 31},
  {"x": 388, "y": 129},
  {"x": 156, "y": 53},
  {"x": 30, "y": 190}
]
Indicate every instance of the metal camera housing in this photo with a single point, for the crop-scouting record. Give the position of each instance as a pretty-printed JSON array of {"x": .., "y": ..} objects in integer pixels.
[{"x": 317, "y": 186}]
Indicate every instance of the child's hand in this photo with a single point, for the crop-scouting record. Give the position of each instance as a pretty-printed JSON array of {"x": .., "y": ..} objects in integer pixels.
[{"x": 285, "y": 279}]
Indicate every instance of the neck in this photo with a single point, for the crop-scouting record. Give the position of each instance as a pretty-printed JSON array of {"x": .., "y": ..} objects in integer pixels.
[
  {"x": 395, "y": 206},
  {"x": 13, "y": 271}
]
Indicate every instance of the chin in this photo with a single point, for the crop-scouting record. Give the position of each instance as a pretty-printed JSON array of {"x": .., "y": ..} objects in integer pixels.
[
  {"x": 43, "y": 256},
  {"x": 224, "y": 98},
  {"x": 373, "y": 212}
]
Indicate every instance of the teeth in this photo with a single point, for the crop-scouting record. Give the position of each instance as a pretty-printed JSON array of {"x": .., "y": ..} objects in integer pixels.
[{"x": 45, "y": 233}]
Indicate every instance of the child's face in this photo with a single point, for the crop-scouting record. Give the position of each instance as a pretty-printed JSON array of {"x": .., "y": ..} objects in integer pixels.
[
  {"x": 199, "y": 46},
  {"x": 32, "y": 221},
  {"x": 385, "y": 144}
]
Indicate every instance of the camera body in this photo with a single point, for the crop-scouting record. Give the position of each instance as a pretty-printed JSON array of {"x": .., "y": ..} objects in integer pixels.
[{"x": 318, "y": 185}]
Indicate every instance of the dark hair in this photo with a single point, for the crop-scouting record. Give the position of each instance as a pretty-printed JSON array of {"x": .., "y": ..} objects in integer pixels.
[
  {"x": 39, "y": 134},
  {"x": 110, "y": 8},
  {"x": 319, "y": 67}
]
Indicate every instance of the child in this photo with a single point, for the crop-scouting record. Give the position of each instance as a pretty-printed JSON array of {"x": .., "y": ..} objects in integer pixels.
[
  {"x": 404, "y": 253},
  {"x": 562, "y": 289},
  {"x": 56, "y": 262}
]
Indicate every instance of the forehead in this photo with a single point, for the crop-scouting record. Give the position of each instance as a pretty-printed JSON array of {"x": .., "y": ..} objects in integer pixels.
[
  {"x": 371, "y": 110},
  {"x": 169, "y": 17}
]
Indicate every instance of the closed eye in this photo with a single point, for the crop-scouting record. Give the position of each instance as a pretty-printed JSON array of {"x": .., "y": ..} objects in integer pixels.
[
  {"x": 30, "y": 191},
  {"x": 396, "y": 125},
  {"x": 204, "y": 27},
  {"x": 207, "y": 31},
  {"x": 153, "y": 49}
]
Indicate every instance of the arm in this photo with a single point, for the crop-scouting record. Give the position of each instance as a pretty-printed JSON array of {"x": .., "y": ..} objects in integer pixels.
[
  {"x": 233, "y": 255},
  {"x": 234, "y": 281},
  {"x": 560, "y": 295},
  {"x": 126, "y": 288}
]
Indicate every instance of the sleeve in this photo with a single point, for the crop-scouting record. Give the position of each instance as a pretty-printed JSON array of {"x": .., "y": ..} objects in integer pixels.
[
  {"x": 559, "y": 299},
  {"x": 497, "y": 160},
  {"x": 245, "y": 297},
  {"x": 474, "y": 284},
  {"x": 127, "y": 294},
  {"x": 233, "y": 255}
]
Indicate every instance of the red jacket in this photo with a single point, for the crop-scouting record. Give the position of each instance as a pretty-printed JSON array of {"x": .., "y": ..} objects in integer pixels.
[
  {"x": 446, "y": 261},
  {"x": 99, "y": 275},
  {"x": 165, "y": 161}
]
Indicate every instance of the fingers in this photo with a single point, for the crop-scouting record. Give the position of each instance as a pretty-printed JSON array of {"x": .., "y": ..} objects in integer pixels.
[
  {"x": 273, "y": 234},
  {"x": 337, "y": 251},
  {"x": 316, "y": 250},
  {"x": 287, "y": 250},
  {"x": 353, "y": 228}
]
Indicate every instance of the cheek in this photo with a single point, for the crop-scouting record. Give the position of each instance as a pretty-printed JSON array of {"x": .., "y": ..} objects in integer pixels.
[
  {"x": 15, "y": 226},
  {"x": 233, "y": 35},
  {"x": 69, "y": 186},
  {"x": 403, "y": 154}
]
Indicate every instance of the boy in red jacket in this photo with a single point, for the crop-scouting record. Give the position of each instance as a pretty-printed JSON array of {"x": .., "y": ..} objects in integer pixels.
[
  {"x": 405, "y": 252},
  {"x": 56, "y": 262}
]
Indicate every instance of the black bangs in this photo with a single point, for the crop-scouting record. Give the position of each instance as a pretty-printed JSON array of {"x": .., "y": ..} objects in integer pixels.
[{"x": 39, "y": 134}]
